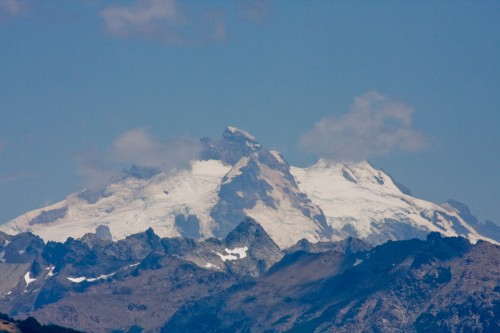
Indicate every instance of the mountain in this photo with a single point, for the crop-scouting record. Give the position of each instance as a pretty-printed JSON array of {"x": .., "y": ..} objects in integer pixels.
[
  {"x": 89, "y": 283},
  {"x": 236, "y": 177},
  {"x": 29, "y": 325},
  {"x": 436, "y": 285},
  {"x": 488, "y": 229},
  {"x": 245, "y": 282},
  {"x": 361, "y": 201}
]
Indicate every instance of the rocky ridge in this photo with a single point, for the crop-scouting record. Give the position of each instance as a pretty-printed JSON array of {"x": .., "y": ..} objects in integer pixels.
[{"x": 245, "y": 282}]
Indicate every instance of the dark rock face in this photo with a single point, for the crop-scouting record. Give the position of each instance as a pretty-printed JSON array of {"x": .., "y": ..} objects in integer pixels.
[
  {"x": 92, "y": 196},
  {"x": 188, "y": 226},
  {"x": 140, "y": 172},
  {"x": 22, "y": 248},
  {"x": 262, "y": 250},
  {"x": 347, "y": 246},
  {"x": 438, "y": 285},
  {"x": 49, "y": 216},
  {"x": 234, "y": 145}
]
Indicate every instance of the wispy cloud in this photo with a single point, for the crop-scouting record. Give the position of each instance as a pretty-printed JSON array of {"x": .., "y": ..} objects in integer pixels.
[
  {"x": 164, "y": 21},
  {"x": 139, "y": 147},
  {"x": 95, "y": 167},
  {"x": 374, "y": 126},
  {"x": 12, "y": 7},
  {"x": 173, "y": 22},
  {"x": 179, "y": 23},
  {"x": 159, "y": 19}
]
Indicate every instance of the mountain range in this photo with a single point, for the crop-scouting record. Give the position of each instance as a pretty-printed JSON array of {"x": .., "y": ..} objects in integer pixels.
[
  {"x": 246, "y": 283},
  {"x": 243, "y": 242},
  {"x": 237, "y": 177}
]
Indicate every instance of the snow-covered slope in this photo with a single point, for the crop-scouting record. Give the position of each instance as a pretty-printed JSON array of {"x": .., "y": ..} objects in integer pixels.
[
  {"x": 235, "y": 178},
  {"x": 361, "y": 201},
  {"x": 270, "y": 195},
  {"x": 164, "y": 202}
]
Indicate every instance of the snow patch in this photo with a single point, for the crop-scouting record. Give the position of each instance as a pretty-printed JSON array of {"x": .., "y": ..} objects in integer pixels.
[
  {"x": 77, "y": 280},
  {"x": 240, "y": 251},
  {"x": 210, "y": 265},
  {"x": 101, "y": 277},
  {"x": 234, "y": 254},
  {"x": 252, "y": 145},
  {"x": 277, "y": 156},
  {"x": 234, "y": 130},
  {"x": 357, "y": 262},
  {"x": 235, "y": 171},
  {"x": 2, "y": 257},
  {"x": 82, "y": 278},
  {"x": 51, "y": 272},
  {"x": 28, "y": 279}
]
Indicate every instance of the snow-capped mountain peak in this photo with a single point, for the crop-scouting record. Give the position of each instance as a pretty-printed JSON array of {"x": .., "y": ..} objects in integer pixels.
[{"x": 236, "y": 177}]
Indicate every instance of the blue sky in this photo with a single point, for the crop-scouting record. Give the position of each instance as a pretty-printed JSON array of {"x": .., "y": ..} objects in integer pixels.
[{"x": 412, "y": 86}]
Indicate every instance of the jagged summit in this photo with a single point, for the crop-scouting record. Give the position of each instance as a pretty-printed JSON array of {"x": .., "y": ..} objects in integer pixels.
[
  {"x": 488, "y": 228},
  {"x": 234, "y": 145},
  {"x": 232, "y": 132}
]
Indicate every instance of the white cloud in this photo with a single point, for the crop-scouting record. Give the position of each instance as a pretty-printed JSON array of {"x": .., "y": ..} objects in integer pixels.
[
  {"x": 149, "y": 18},
  {"x": 163, "y": 20},
  {"x": 137, "y": 147},
  {"x": 374, "y": 126},
  {"x": 96, "y": 169},
  {"x": 12, "y": 7}
]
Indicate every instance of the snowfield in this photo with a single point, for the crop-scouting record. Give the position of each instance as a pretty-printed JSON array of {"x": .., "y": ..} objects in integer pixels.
[{"x": 132, "y": 205}]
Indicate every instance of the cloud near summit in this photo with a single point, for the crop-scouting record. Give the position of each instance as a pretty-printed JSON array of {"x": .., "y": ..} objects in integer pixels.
[
  {"x": 374, "y": 126},
  {"x": 139, "y": 147}
]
